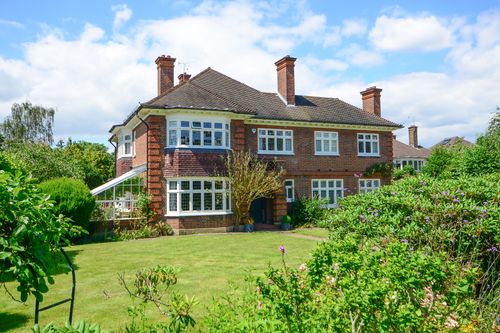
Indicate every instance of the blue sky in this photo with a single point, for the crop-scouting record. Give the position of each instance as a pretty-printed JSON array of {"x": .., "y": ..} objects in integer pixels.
[{"x": 437, "y": 61}]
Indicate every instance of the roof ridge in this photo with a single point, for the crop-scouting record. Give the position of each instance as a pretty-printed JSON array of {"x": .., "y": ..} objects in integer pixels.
[{"x": 230, "y": 78}]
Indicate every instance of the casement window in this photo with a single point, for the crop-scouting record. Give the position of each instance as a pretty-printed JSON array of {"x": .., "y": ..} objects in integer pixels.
[
  {"x": 326, "y": 143},
  {"x": 368, "y": 144},
  {"x": 208, "y": 196},
  {"x": 368, "y": 185},
  {"x": 331, "y": 189},
  {"x": 417, "y": 164},
  {"x": 125, "y": 144},
  {"x": 198, "y": 134},
  {"x": 289, "y": 190},
  {"x": 275, "y": 141}
]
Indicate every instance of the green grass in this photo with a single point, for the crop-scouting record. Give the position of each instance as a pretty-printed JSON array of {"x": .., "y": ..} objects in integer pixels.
[
  {"x": 206, "y": 263},
  {"x": 315, "y": 232}
]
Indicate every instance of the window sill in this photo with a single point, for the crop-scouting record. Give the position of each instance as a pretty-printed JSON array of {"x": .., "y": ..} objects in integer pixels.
[
  {"x": 326, "y": 154},
  {"x": 275, "y": 153},
  {"x": 368, "y": 155},
  {"x": 121, "y": 156},
  {"x": 176, "y": 214}
]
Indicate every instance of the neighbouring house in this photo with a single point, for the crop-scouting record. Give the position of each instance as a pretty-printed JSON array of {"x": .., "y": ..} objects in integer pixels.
[
  {"x": 175, "y": 144},
  {"x": 454, "y": 140},
  {"x": 409, "y": 154}
]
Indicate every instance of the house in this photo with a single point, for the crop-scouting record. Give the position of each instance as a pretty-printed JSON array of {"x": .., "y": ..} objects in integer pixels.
[
  {"x": 454, "y": 140},
  {"x": 180, "y": 137},
  {"x": 409, "y": 154}
]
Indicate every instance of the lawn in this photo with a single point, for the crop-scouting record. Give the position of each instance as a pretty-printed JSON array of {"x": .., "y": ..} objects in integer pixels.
[
  {"x": 206, "y": 263},
  {"x": 315, "y": 232}
]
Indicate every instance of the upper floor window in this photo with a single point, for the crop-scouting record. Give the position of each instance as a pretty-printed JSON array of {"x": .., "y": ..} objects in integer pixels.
[
  {"x": 289, "y": 190},
  {"x": 326, "y": 143},
  {"x": 368, "y": 185},
  {"x": 275, "y": 141},
  {"x": 125, "y": 145},
  {"x": 330, "y": 189},
  {"x": 368, "y": 145},
  {"x": 198, "y": 134}
]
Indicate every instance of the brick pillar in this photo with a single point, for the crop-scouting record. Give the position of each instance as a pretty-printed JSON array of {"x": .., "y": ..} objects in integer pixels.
[
  {"x": 238, "y": 135},
  {"x": 156, "y": 143},
  {"x": 279, "y": 207}
]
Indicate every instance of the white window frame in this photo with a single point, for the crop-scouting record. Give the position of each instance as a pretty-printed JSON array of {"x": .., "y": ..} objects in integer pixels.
[
  {"x": 134, "y": 138},
  {"x": 331, "y": 139},
  {"x": 124, "y": 139},
  {"x": 371, "y": 139},
  {"x": 290, "y": 187},
  {"x": 325, "y": 186},
  {"x": 177, "y": 192},
  {"x": 176, "y": 125},
  {"x": 266, "y": 135},
  {"x": 416, "y": 163},
  {"x": 368, "y": 185}
]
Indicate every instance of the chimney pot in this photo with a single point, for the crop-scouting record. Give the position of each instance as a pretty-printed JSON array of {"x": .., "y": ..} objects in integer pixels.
[
  {"x": 183, "y": 78},
  {"x": 165, "y": 67},
  {"x": 413, "y": 136},
  {"x": 286, "y": 78},
  {"x": 371, "y": 100}
]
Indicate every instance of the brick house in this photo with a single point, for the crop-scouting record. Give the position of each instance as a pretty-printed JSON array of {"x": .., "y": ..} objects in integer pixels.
[{"x": 181, "y": 136}]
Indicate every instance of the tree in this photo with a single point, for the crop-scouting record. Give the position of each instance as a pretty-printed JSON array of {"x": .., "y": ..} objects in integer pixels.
[
  {"x": 29, "y": 122},
  {"x": 250, "y": 179},
  {"x": 30, "y": 232}
]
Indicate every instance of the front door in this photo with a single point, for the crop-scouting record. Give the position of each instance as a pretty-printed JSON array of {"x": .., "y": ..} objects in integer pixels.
[{"x": 260, "y": 210}]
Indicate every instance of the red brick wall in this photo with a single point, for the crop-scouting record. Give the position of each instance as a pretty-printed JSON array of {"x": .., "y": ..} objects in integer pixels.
[
  {"x": 200, "y": 222},
  {"x": 140, "y": 145},
  {"x": 123, "y": 165},
  {"x": 156, "y": 144}
]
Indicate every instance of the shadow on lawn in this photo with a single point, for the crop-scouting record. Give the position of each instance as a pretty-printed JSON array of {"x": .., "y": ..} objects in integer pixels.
[
  {"x": 59, "y": 265},
  {"x": 9, "y": 321}
]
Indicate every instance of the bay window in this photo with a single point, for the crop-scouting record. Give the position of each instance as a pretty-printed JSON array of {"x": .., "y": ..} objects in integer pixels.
[
  {"x": 198, "y": 133},
  {"x": 198, "y": 196}
]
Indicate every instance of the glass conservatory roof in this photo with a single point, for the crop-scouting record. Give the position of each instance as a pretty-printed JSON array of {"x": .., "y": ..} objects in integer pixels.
[{"x": 113, "y": 182}]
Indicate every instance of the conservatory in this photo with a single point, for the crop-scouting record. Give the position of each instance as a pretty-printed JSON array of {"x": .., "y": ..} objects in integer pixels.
[{"x": 115, "y": 200}]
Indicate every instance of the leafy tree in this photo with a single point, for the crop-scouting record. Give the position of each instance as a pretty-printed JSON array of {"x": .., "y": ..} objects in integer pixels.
[
  {"x": 250, "y": 179},
  {"x": 30, "y": 232},
  {"x": 29, "y": 122}
]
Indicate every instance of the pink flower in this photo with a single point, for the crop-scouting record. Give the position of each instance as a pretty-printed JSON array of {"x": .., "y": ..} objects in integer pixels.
[
  {"x": 303, "y": 267},
  {"x": 258, "y": 289},
  {"x": 282, "y": 249},
  {"x": 259, "y": 305}
]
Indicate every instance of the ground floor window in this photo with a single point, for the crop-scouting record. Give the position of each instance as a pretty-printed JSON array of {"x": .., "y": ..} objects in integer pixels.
[
  {"x": 289, "y": 190},
  {"x": 198, "y": 196},
  {"x": 330, "y": 189},
  {"x": 368, "y": 185},
  {"x": 417, "y": 164}
]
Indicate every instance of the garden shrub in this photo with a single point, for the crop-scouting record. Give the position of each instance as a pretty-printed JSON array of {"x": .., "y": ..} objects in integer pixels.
[
  {"x": 72, "y": 199},
  {"x": 80, "y": 327},
  {"x": 30, "y": 232},
  {"x": 407, "y": 170},
  {"x": 308, "y": 212}
]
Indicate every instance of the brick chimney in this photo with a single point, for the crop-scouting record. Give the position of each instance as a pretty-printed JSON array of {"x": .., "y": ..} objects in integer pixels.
[
  {"x": 183, "y": 77},
  {"x": 413, "y": 136},
  {"x": 286, "y": 78},
  {"x": 371, "y": 100},
  {"x": 165, "y": 66}
]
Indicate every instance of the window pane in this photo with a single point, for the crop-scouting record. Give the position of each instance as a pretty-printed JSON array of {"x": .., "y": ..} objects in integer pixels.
[
  {"x": 207, "y": 125},
  {"x": 331, "y": 183},
  {"x": 288, "y": 133},
  {"x": 315, "y": 194},
  {"x": 262, "y": 144},
  {"x": 360, "y": 147},
  {"x": 361, "y": 183},
  {"x": 315, "y": 183},
  {"x": 368, "y": 148},
  {"x": 196, "y": 124},
  {"x": 184, "y": 137},
  {"x": 288, "y": 144},
  {"x": 288, "y": 183},
  {"x": 184, "y": 201},
  {"x": 196, "y": 184},
  {"x": 218, "y": 184},
  {"x": 227, "y": 139},
  {"x": 339, "y": 193},
  {"x": 318, "y": 146},
  {"x": 185, "y": 185},
  {"x": 279, "y": 133},
  {"x": 270, "y": 132},
  {"x": 323, "y": 183},
  {"x": 279, "y": 144},
  {"x": 270, "y": 143},
  {"x": 323, "y": 194},
  {"x": 196, "y": 138},
  {"x": 339, "y": 183},
  {"x": 184, "y": 123},
  {"x": 207, "y": 201},
  {"x": 326, "y": 146},
  {"x": 218, "y": 125},
  {"x": 172, "y": 137},
  {"x": 219, "y": 201},
  {"x": 128, "y": 149},
  {"x": 172, "y": 202},
  {"x": 331, "y": 197},
  {"x": 207, "y": 138},
  {"x": 172, "y": 123},
  {"x": 196, "y": 201},
  {"x": 207, "y": 185},
  {"x": 172, "y": 185},
  {"x": 218, "y": 138},
  {"x": 375, "y": 147}
]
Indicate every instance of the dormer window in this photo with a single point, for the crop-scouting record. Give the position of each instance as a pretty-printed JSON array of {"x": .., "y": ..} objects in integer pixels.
[{"x": 199, "y": 133}]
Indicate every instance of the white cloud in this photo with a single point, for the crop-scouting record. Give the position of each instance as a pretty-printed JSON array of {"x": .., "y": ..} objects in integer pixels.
[
  {"x": 354, "y": 27},
  {"x": 423, "y": 33},
  {"x": 13, "y": 24},
  {"x": 122, "y": 15},
  {"x": 356, "y": 55}
]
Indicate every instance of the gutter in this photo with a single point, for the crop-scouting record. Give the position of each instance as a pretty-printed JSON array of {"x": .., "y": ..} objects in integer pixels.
[{"x": 116, "y": 151}]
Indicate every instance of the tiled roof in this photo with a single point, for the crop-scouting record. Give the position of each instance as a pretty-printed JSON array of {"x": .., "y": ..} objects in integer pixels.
[
  {"x": 453, "y": 141},
  {"x": 402, "y": 150},
  {"x": 213, "y": 90}
]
